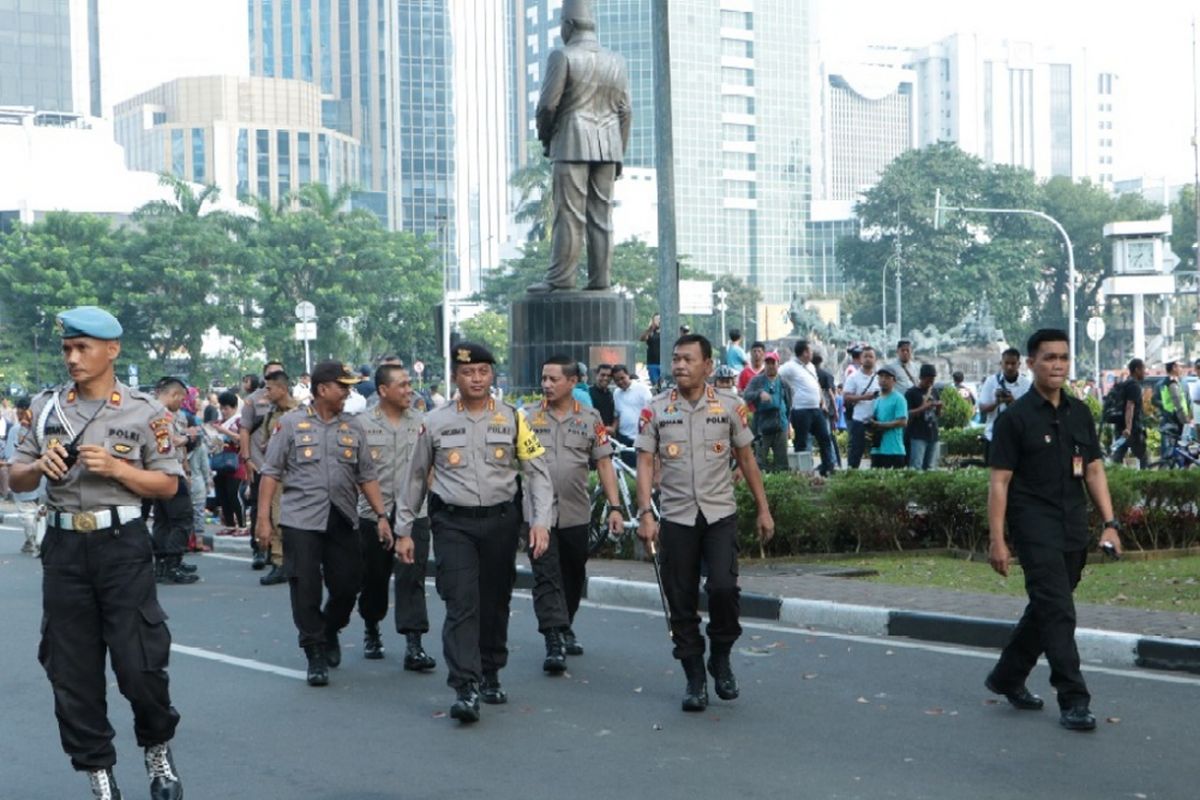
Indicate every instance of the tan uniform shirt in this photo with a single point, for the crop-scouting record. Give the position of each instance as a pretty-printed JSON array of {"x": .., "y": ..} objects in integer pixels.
[
  {"x": 570, "y": 442},
  {"x": 320, "y": 464},
  {"x": 255, "y": 410},
  {"x": 475, "y": 458},
  {"x": 179, "y": 426},
  {"x": 129, "y": 424},
  {"x": 694, "y": 445},
  {"x": 391, "y": 448}
]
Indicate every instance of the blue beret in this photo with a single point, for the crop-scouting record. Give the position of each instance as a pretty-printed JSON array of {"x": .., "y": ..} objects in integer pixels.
[{"x": 88, "y": 321}]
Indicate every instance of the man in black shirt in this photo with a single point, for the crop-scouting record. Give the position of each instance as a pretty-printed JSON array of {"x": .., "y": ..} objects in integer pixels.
[
  {"x": 924, "y": 407},
  {"x": 1044, "y": 454},
  {"x": 1134, "y": 431},
  {"x": 602, "y": 398}
]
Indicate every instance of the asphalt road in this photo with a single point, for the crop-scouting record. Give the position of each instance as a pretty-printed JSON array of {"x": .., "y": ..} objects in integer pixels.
[{"x": 821, "y": 716}]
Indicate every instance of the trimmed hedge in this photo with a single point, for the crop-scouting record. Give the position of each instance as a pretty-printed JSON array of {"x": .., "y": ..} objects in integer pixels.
[{"x": 867, "y": 510}]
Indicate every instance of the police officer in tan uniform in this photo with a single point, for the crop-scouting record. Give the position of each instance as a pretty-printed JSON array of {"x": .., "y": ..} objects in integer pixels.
[
  {"x": 391, "y": 428},
  {"x": 253, "y": 448},
  {"x": 320, "y": 456},
  {"x": 573, "y": 436},
  {"x": 173, "y": 515},
  {"x": 691, "y": 431},
  {"x": 475, "y": 448},
  {"x": 102, "y": 446},
  {"x": 278, "y": 392}
]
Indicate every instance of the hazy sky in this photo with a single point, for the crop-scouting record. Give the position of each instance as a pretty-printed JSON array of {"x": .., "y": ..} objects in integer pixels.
[{"x": 1149, "y": 44}]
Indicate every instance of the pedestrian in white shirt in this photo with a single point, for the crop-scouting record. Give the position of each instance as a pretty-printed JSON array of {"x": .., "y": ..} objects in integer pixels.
[
  {"x": 808, "y": 416},
  {"x": 999, "y": 391},
  {"x": 629, "y": 398},
  {"x": 859, "y": 393}
]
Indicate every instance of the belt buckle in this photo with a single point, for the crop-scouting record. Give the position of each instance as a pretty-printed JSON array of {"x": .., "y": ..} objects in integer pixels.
[{"x": 84, "y": 521}]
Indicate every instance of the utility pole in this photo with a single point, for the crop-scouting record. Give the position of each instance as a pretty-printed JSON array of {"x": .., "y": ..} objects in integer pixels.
[{"x": 664, "y": 162}]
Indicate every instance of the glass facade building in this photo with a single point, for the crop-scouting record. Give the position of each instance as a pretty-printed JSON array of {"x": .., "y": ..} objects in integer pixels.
[
  {"x": 249, "y": 136},
  {"x": 50, "y": 55},
  {"x": 347, "y": 49}
]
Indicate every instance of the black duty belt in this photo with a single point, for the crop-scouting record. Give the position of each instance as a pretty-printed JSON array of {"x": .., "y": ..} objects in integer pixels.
[{"x": 437, "y": 505}]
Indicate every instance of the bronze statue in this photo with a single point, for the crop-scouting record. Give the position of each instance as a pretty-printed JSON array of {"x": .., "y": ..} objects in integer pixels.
[{"x": 583, "y": 120}]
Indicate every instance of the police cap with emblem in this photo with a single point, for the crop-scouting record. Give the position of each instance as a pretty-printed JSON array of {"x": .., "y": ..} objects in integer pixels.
[
  {"x": 90, "y": 321},
  {"x": 334, "y": 372},
  {"x": 466, "y": 353}
]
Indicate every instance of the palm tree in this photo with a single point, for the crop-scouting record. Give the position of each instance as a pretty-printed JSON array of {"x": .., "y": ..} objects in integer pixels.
[
  {"x": 536, "y": 205},
  {"x": 187, "y": 203},
  {"x": 317, "y": 198}
]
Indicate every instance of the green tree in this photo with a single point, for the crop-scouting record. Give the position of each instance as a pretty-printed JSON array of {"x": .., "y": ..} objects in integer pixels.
[
  {"x": 55, "y": 264},
  {"x": 536, "y": 204},
  {"x": 491, "y": 329}
]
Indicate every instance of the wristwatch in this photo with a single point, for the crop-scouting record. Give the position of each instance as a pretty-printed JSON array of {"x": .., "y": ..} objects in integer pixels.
[
  {"x": 1112, "y": 523},
  {"x": 644, "y": 511}
]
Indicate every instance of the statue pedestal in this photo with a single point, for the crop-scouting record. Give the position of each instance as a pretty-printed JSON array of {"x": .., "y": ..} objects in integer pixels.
[{"x": 595, "y": 327}]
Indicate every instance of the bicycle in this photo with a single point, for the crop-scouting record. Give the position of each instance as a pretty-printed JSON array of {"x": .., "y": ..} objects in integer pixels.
[
  {"x": 1183, "y": 455},
  {"x": 598, "y": 534}
]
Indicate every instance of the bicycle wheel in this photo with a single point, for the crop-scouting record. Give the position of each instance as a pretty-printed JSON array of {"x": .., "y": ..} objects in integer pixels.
[{"x": 598, "y": 537}]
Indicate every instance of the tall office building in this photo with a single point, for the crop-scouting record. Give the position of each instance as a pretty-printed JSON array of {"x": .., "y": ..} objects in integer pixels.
[
  {"x": 260, "y": 137},
  {"x": 453, "y": 138},
  {"x": 347, "y": 49},
  {"x": 740, "y": 106},
  {"x": 1044, "y": 108},
  {"x": 50, "y": 55}
]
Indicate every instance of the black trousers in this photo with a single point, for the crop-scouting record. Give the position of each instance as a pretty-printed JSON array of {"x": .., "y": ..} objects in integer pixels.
[
  {"x": 98, "y": 599},
  {"x": 172, "y": 522},
  {"x": 252, "y": 509},
  {"x": 332, "y": 558},
  {"x": 559, "y": 576},
  {"x": 1048, "y": 625},
  {"x": 1136, "y": 444},
  {"x": 412, "y": 613},
  {"x": 858, "y": 442},
  {"x": 476, "y": 570},
  {"x": 682, "y": 549},
  {"x": 229, "y": 489}
]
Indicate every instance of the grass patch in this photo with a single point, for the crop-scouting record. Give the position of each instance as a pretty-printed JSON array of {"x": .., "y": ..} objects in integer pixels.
[{"x": 1160, "y": 585}]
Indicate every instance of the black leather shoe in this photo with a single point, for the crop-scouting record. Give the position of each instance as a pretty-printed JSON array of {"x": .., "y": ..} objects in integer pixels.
[
  {"x": 1078, "y": 718},
  {"x": 186, "y": 567},
  {"x": 466, "y": 707},
  {"x": 571, "y": 644},
  {"x": 490, "y": 691},
  {"x": 372, "y": 644},
  {"x": 259, "y": 561},
  {"x": 723, "y": 679},
  {"x": 556, "y": 656},
  {"x": 333, "y": 650},
  {"x": 318, "y": 668},
  {"x": 104, "y": 786},
  {"x": 275, "y": 576},
  {"x": 1020, "y": 698},
  {"x": 173, "y": 574},
  {"x": 695, "y": 697},
  {"x": 415, "y": 657},
  {"x": 160, "y": 768}
]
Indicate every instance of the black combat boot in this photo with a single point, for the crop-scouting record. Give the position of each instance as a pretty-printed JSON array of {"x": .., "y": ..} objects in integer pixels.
[
  {"x": 318, "y": 669},
  {"x": 259, "y": 561},
  {"x": 160, "y": 768},
  {"x": 556, "y": 656},
  {"x": 466, "y": 706},
  {"x": 104, "y": 786},
  {"x": 415, "y": 657},
  {"x": 186, "y": 567},
  {"x": 173, "y": 574},
  {"x": 490, "y": 691},
  {"x": 333, "y": 649},
  {"x": 695, "y": 698},
  {"x": 719, "y": 667},
  {"x": 275, "y": 576},
  {"x": 372, "y": 644},
  {"x": 571, "y": 644}
]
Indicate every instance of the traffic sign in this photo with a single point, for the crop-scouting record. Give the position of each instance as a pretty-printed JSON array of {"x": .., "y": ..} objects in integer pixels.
[
  {"x": 306, "y": 331},
  {"x": 419, "y": 367},
  {"x": 306, "y": 311},
  {"x": 1095, "y": 328}
]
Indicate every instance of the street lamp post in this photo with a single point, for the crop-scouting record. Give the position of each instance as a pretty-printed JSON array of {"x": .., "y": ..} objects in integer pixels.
[
  {"x": 893, "y": 260},
  {"x": 938, "y": 210},
  {"x": 722, "y": 306}
]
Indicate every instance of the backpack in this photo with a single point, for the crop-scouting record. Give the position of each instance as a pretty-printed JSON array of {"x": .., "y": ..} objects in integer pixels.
[{"x": 1113, "y": 411}]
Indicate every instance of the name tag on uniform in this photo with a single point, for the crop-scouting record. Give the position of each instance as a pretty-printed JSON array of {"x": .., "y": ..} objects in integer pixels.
[{"x": 1077, "y": 466}]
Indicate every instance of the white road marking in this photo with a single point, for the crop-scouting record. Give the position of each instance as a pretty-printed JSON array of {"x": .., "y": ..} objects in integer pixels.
[
  {"x": 244, "y": 663},
  {"x": 226, "y": 557}
]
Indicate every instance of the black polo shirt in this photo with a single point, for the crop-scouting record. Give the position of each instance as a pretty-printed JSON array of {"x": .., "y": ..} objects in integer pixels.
[
  {"x": 602, "y": 400},
  {"x": 1047, "y": 505}
]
